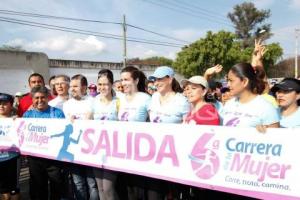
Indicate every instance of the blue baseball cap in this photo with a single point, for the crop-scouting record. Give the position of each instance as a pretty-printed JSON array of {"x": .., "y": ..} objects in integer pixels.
[
  {"x": 162, "y": 72},
  {"x": 6, "y": 98}
]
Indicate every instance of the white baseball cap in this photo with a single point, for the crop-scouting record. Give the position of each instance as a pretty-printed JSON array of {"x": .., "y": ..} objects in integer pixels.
[{"x": 199, "y": 80}]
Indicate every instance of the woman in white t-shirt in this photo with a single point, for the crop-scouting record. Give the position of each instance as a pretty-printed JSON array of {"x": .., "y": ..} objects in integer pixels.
[
  {"x": 133, "y": 106},
  {"x": 168, "y": 105},
  {"x": 248, "y": 108},
  {"x": 105, "y": 108},
  {"x": 135, "y": 101}
]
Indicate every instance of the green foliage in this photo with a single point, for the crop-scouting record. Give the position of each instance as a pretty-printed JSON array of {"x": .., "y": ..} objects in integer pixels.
[
  {"x": 247, "y": 20},
  {"x": 160, "y": 60},
  {"x": 213, "y": 49},
  {"x": 156, "y": 60},
  {"x": 219, "y": 48},
  {"x": 273, "y": 55}
]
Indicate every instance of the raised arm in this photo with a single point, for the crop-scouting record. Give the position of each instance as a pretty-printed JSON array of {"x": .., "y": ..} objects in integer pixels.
[
  {"x": 212, "y": 71},
  {"x": 257, "y": 55},
  {"x": 76, "y": 141}
]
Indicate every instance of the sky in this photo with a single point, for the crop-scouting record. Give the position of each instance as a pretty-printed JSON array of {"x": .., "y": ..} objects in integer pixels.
[{"x": 183, "y": 20}]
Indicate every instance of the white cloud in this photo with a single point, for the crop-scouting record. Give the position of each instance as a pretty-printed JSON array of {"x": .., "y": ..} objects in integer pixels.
[
  {"x": 16, "y": 42},
  {"x": 91, "y": 45},
  {"x": 294, "y": 4},
  {"x": 63, "y": 44},
  {"x": 52, "y": 44},
  {"x": 139, "y": 51},
  {"x": 263, "y": 4},
  {"x": 150, "y": 53},
  {"x": 189, "y": 34},
  {"x": 284, "y": 33},
  {"x": 286, "y": 37},
  {"x": 171, "y": 55}
]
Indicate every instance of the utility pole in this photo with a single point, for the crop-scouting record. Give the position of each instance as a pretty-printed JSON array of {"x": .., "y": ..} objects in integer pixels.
[
  {"x": 124, "y": 42},
  {"x": 297, "y": 31}
]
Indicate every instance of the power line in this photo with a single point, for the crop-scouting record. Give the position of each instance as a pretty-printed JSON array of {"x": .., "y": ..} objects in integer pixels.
[
  {"x": 10, "y": 12},
  {"x": 84, "y": 32},
  {"x": 202, "y": 10},
  {"x": 91, "y": 32},
  {"x": 209, "y": 12},
  {"x": 162, "y": 35},
  {"x": 175, "y": 8}
]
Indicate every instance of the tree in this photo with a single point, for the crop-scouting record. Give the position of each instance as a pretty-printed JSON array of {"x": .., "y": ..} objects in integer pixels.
[
  {"x": 271, "y": 57},
  {"x": 218, "y": 48},
  {"x": 160, "y": 60},
  {"x": 156, "y": 60},
  {"x": 248, "y": 23}
]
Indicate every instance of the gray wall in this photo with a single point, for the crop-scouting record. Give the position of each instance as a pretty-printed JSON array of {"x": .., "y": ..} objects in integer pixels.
[{"x": 15, "y": 67}]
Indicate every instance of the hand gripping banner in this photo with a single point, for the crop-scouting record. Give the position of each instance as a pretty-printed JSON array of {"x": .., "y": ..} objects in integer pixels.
[{"x": 235, "y": 160}]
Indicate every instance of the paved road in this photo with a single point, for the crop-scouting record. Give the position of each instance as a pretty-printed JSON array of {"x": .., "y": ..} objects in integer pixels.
[{"x": 24, "y": 180}]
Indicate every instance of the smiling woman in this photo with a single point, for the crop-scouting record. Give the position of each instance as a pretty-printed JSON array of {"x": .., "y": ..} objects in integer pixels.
[
  {"x": 248, "y": 108},
  {"x": 168, "y": 105}
]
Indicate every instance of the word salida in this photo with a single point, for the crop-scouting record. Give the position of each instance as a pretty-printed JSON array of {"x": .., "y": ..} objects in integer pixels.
[
  {"x": 134, "y": 144},
  {"x": 248, "y": 165}
]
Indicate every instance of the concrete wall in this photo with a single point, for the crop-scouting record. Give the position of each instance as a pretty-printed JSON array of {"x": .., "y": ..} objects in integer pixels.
[
  {"x": 90, "y": 69},
  {"x": 15, "y": 67}
]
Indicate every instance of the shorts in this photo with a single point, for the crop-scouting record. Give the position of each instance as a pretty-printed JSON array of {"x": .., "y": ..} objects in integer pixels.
[{"x": 8, "y": 175}]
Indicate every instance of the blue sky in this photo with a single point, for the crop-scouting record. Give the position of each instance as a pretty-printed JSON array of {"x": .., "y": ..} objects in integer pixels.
[{"x": 188, "y": 25}]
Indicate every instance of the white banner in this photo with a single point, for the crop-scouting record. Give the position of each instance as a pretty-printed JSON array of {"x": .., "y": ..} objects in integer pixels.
[{"x": 235, "y": 160}]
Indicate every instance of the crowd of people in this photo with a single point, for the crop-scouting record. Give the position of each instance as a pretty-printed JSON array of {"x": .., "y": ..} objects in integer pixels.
[{"x": 248, "y": 100}]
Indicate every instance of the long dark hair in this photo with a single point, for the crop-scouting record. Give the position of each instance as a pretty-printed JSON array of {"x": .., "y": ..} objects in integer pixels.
[
  {"x": 137, "y": 74},
  {"x": 256, "y": 78},
  {"x": 110, "y": 76},
  {"x": 176, "y": 86}
]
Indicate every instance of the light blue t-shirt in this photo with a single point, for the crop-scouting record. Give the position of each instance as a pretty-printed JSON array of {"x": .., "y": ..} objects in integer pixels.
[
  {"x": 218, "y": 105},
  {"x": 50, "y": 112},
  {"x": 102, "y": 111},
  {"x": 256, "y": 112},
  {"x": 171, "y": 112},
  {"x": 291, "y": 121},
  {"x": 134, "y": 110}
]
